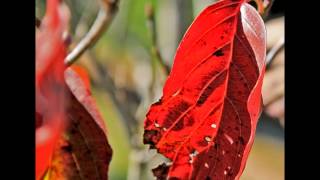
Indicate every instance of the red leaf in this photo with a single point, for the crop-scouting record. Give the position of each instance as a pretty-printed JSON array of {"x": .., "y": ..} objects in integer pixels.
[
  {"x": 80, "y": 91},
  {"x": 50, "y": 87},
  {"x": 71, "y": 140},
  {"x": 63, "y": 165},
  {"x": 81, "y": 71},
  {"x": 84, "y": 151},
  {"x": 206, "y": 119}
]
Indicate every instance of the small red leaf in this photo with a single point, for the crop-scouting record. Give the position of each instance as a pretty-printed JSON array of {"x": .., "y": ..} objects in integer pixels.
[
  {"x": 84, "y": 151},
  {"x": 206, "y": 119},
  {"x": 80, "y": 90},
  {"x": 81, "y": 71}
]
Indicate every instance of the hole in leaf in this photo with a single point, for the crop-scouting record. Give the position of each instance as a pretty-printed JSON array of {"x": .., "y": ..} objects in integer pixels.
[{"x": 218, "y": 53}]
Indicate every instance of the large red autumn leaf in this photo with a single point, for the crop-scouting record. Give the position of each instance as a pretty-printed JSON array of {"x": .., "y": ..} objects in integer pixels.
[{"x": 206, "y": 119}]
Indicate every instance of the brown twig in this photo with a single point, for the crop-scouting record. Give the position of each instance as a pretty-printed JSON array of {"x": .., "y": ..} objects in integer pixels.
[
  {"x": 267, "y": 9},
  {"x": 105, "y": 16},
  {"x": 83, "y": 20},
  {"x": 263, "y": 7},
  {"x": 108, "y": 85},
  {"x": 185, "y": 17},
  {"x": 274, "y": 51},
  {"x": 138, "y": 154},
  {"x": 149, "y": 11}
]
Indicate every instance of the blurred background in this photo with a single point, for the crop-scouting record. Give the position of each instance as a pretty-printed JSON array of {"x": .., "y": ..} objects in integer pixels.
[{"x": 127, "y": 77}]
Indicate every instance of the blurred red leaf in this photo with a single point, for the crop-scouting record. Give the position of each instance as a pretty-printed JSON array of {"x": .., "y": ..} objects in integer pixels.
[
  {"x": 50, "y": 86},
  {"x": 206, "y": 119},
  {"x": 71, "y": 140}
]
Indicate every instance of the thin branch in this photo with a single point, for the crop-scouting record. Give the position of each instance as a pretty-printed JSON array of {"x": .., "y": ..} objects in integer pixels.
[
  {"x": 263, "y": 7},
  {"x": 83, "y": 19},
  {"x": 149, "y": 11},
  {"x": 105, "y": 16},
  {"x": 267, "y": 9},
  {"x": 184, "y": 10},
  {"x": 274, "y": 51},
  {"x": 108, "y": 85}
]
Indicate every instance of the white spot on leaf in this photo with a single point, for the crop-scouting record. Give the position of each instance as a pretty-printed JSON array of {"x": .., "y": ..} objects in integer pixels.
[
  {"x": 176, "y": 93},
  {"x": 206, "y": 165},
  {"x": 228, "y": 138},
  {"x": 213, "y": 125},
  {"x": 207, "y": 138}
]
